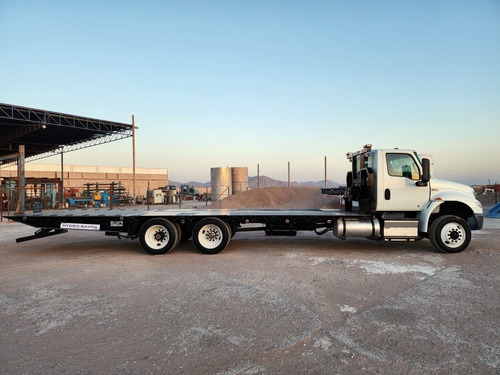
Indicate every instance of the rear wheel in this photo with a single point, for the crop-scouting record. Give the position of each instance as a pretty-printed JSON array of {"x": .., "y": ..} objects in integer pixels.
[
  {"x": 179, "y": 234},
  {"x": 211, "y": 235},
  {"x": 159, "y": 236},
  {"x": 450, "y": 234}
]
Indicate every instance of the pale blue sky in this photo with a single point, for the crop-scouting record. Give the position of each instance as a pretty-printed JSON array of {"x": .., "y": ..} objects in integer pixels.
[{"x": 242, "y": 83}]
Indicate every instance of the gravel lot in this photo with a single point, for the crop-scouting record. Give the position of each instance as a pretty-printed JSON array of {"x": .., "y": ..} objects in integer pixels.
[{"x": 83, "y": 303}]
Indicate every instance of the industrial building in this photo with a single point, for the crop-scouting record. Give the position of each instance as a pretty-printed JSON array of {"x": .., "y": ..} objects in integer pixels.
[
  {"x": 77, "y": 176},
  {"x": 28, "y": 134}
]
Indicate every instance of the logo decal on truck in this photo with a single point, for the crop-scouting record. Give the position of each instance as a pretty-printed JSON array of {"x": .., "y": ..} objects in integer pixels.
[{"x": 80, "y": 226}]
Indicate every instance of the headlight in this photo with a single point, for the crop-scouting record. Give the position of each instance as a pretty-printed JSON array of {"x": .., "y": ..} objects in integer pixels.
[{"x": 479, "y": 204}]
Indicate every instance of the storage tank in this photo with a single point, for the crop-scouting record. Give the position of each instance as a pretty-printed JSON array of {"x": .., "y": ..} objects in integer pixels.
[
  {"x": 240, "y": 179},
  {"x": 221, "y": 183},
  {"x": 171, "y": 195}
]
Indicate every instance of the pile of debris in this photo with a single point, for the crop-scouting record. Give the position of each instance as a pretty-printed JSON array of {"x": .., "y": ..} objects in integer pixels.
[{"x": 280, "y": 198}]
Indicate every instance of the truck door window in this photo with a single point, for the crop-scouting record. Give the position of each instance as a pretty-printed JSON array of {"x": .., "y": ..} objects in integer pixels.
[{"x": 402, "y": 165}]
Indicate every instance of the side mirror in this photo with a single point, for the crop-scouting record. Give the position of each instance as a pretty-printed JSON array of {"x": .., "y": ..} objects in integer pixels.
[{"x": 426, "y": 172}]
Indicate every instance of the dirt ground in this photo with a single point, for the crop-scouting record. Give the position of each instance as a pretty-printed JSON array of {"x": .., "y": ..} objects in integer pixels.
[{"x": 83, "y": 303}]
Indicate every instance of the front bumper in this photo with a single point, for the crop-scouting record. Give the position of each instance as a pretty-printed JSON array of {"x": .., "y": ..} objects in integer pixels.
[{"x": 476, "y": 222}]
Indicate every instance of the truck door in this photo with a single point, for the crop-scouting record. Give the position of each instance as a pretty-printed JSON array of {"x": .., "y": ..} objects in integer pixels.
[{"x": 400, "y": 192}]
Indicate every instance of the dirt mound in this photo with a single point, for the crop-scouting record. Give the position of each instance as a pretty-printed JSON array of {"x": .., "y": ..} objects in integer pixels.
[{"x": 280, "y": 198}]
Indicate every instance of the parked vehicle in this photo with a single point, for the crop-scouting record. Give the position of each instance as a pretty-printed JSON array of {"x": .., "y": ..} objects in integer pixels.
[{"x": 389, "y": 196}]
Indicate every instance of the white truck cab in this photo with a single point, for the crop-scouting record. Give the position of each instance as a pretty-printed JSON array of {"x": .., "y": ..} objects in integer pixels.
[{"x": 395, "y": 186}]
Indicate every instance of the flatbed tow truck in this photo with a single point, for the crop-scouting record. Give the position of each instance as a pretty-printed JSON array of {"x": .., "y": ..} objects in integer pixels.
[{"x": 389, "y": 196}]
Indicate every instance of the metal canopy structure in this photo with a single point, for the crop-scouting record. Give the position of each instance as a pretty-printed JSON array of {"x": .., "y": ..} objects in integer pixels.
[{"x": 46, "y": 133}]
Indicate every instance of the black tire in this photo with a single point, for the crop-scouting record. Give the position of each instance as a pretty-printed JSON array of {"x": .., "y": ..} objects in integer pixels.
[
  {"x": 179, "y": 234},
  {"x": 450, "y": 234},
  {"x": 159, "y": 236},
  {"x": 232, "y": 228},
  {"x": 211, "y": 235}
]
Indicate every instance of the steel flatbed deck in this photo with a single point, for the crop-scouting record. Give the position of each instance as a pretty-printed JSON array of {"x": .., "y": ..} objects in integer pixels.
[
  {"x": 102, "y": 212},
  {"x": 160, "y": 230}
]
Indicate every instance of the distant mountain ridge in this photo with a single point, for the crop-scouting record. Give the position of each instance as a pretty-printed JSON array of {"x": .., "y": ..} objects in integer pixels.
[{"x": 265, "y": 182}]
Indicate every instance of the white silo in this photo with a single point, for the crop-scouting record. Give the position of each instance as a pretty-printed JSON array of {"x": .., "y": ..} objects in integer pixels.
[
  {"x": 221, "y": 183},
  {"x": 239, "y": 177}
]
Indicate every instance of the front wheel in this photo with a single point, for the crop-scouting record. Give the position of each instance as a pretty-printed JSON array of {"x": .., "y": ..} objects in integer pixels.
[
  {"x": 211, "y": 235},
  {"x": 450, "y": 234}
]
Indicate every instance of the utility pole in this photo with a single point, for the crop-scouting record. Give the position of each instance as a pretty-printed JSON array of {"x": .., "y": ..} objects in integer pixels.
[
  {"x": 325, "y": 175},
  {"x": 288, "y": 174},
  {"x": 258, "y": 176}
]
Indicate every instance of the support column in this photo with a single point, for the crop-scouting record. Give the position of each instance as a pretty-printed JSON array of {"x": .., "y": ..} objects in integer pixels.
[
  {"x": 61, "y": 190},
  {"x": 22, "y": 180}
]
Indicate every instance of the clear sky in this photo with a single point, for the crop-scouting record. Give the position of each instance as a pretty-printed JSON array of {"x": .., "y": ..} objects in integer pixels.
[{"x": 241, "y": 83}]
